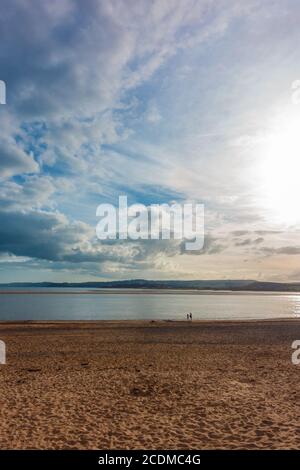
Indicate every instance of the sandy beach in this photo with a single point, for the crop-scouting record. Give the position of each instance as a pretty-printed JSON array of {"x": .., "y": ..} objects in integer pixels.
[{"x": 149, "y": 385}]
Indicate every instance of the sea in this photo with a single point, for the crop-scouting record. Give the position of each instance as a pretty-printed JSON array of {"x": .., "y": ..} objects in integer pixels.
[{"x": 139, "y": 304}]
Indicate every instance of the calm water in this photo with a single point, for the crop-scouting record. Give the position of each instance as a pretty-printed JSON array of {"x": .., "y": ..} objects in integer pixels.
[{"x": 116, "y": 306}]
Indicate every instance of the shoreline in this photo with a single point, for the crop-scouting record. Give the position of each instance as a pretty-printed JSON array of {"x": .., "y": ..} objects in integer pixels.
[
  {"x": 149, "y": 322},
  {"x": 136, "y": 291}
]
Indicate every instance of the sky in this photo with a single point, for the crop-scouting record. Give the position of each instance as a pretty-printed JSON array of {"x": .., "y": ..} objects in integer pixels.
[{"x": 163, "y": 101}]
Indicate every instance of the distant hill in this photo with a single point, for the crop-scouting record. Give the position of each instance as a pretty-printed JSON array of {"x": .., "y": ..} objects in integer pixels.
[{"x": 232, "y": 285}]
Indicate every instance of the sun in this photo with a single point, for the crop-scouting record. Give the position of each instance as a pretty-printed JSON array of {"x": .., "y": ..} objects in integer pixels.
[{"x": 280, "y": 171}]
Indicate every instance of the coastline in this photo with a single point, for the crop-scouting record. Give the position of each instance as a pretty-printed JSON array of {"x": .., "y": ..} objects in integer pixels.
[{"x": 149, "y": 291}]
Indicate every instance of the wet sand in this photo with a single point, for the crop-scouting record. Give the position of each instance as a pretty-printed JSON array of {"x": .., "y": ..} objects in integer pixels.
[{"x": 150, "y": 385}]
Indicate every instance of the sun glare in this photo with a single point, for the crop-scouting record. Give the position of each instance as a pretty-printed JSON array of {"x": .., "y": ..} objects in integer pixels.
[{"x": 280, "y": 171}]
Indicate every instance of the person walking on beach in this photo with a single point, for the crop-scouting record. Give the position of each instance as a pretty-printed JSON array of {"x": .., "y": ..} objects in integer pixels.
[
  {"x": 191, "y": 316},
  {"x": 187, "y": 317}
]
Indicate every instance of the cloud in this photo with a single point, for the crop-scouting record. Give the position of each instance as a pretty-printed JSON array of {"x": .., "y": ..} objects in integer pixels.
[
  {"x": 82, "y": 59},
  {"x": 50, "y": 236},
  {"x": 283, "y": 250},
  {"x": 211, "y": 246},
  {"x": 152, "y": 114},
  {"x": 38, "y": 234},
  {"x": 249, "y": 241},
  {"x": 13, "y": 159},
  {"x": 33, "y": 192},
  {"x": 70, "y": 67}
]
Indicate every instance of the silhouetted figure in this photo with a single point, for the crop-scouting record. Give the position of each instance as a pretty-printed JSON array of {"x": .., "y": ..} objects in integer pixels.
[
  {"x": 191, "y": 316},
  {"x": 187, "y": 316}
]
